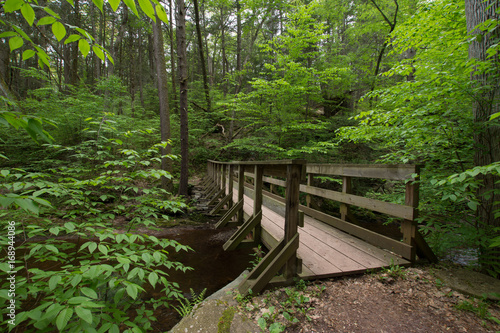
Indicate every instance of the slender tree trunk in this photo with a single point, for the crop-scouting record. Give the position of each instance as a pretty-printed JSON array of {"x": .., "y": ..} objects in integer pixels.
[
  {"x": 183, "y": 97},
  {"x": 159, "y": 52},
  {"x": 202, "y": 58},
  {"x": 140, "y": 77},
  {"x": 223, "y": 49},
  {"x": 172, "y": 54},
  {"x": 486, "y": 91}
]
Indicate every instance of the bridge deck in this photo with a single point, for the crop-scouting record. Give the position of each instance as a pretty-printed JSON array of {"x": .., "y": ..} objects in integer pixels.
[{"x": 324, "y": 250}]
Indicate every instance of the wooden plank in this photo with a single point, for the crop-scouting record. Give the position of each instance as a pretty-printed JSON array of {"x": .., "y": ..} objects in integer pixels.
[
  {"x": 393, "y": 172},
  {"x": 272, "y": 269},
  {"x": 409, "y": 226},
  {"x": 229, "y": 214},
  {"x": 268, "y": 162},
  {"x": 230, "y": 184},
  {"x": 257, "y": 200},
  {"x": 242, "y": 232},
  {"x": 293, "y": 176},
  {"x": 221, "y": 204},
  {"x": 423, "y": 249},
  {"x": 369, "y": 254},
  {"x": 209, "y": 188},
  {"x": 388, "y": 208},
  {"x": 217, "y": 196},
  {"x": 274, "y": 181},
  {"x": 241, "y": 190},
  {"x": 367, "y": 235}
]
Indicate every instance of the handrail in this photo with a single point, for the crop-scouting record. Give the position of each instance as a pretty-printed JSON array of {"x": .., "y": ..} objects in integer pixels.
[{"x": 297, "y": 171}]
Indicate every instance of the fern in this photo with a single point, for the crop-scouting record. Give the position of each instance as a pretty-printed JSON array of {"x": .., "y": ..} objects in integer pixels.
[{"x": 187, "y": 305}]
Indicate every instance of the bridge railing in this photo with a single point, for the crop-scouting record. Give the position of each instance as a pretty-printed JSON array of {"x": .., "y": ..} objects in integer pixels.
[{"x": 289, "y": 174}]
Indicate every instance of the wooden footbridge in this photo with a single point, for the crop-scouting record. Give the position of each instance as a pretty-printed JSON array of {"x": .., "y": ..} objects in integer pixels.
[{"x": 304, "y": 242}]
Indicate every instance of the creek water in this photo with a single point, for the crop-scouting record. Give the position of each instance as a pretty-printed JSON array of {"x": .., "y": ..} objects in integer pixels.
[{"x": 213, "y": 268}]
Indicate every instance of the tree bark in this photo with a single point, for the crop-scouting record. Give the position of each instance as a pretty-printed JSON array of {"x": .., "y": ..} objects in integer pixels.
[
  {"x": 180, "y": 16},
  {"x": 172, "y": 55},
  {"x": 159, "y": 52},
  {"x": 202, "y": 58},
  {"x": 486, "y": 92}
]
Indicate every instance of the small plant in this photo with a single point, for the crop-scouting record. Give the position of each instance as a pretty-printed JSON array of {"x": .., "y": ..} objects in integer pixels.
[
  {"x": 480, "y": 307},
  {"x": 187, "y": 305},
  {"x": 270, "y": 316},
  {"x": 243, "y": 299},
  {"x": 393, "y": 272},
  {"x": 257, "y": 257}
]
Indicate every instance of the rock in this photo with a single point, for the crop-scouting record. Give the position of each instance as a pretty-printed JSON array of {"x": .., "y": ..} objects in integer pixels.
[
  {"x": 470, "y": 282},
  {"x": 217, "y": 314}
]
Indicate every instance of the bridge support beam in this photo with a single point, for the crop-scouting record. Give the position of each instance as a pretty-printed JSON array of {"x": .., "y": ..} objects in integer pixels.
[{"x": 269, "y": 266}]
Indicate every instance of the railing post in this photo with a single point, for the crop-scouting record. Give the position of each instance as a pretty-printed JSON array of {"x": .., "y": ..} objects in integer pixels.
[
  {"x": 409, "y": 227},
  {"x": 293, "y": 175},
  {"x": 230, "y": 184},
  {"x": 346, "y": 188},
  {"x": 257, "y": 206},
  {"x": 309, "y": 183},
  {"x": 241, "y": 191},
  {"x": 223, "y": 176}
]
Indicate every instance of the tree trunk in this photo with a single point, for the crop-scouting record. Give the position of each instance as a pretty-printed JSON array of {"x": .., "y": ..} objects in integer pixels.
[
  {"x": 180, "y": 16},
  {"x": 202, "y": 58},
  {"x": 172, "y": 55},
  {"x": 486, "y": 102},
  {"x": 159, "y": 52}
]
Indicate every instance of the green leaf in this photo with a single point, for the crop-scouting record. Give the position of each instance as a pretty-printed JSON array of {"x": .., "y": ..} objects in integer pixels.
[
  {"x": 84, "y": 47},
  {"x": 85, "y": 33},
  {"x": 92, "y": 247},
  {"x": 132, "y": 290},
  {"x": 84, "y": 314},
  {"x": 153, "y": 278},
  {"x": 472, "y": 205},
  {"x": 262, "y": 323},
  {"x": 71, "y": 2},
  {"x": 28, "y": 13},
  {"x": 15, "y": 43},
  {"x": 8, "y": 34},
  {"x": 98, "y": 52},
  {"x": 63, "y": 318},
  {"x": 110, "y": 58},
  {"x": 46, "y": 20},
  {"x": 54, "y": 281},
  {"x": 495, "y": 115},
  {"x": 51, "y": 12},
  {"x": 114, "y": 4},
  {"x": 58, "y": 30},
  {"x": 28, "y": 54},
  {"x": 12, "y": 5},
  {"x": 72, "y": 38},
  {"x": 28, "y": 205},
  {"x": 148, "y": 9},
  {"x": 98, "y": 3},
  {"x": 131, "y": 4},
  {"x": 160, "y": 12},
  {"x": 78, "y": 300},
  {"x": 103, "y": 249},
  {"x": 89, "y": 292},
  {"x": 51, "y": 248}
]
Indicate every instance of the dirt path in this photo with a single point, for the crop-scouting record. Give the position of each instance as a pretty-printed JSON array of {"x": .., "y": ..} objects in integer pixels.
[{"x": 408, "y": 300}]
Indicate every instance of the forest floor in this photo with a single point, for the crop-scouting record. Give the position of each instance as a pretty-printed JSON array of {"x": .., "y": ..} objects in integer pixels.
[{"x": 395, "y": 300}]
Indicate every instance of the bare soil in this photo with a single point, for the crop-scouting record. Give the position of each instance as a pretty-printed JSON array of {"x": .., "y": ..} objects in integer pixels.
[{"x": 397, "y": 300}]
